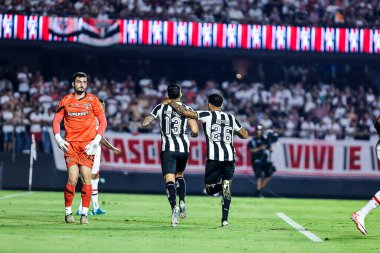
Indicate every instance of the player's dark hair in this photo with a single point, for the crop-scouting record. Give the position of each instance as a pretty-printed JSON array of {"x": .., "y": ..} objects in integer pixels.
[
  {"x": 78, "y": 74},
  {"x": 174, "y": 91},
  {"x": 215, "y": 100}
]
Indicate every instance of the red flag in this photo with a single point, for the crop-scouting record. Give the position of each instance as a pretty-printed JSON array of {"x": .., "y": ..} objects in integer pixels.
[
  {"x": 341, "y": 40},
  {"x": 317, "y": 39},
  {"x": 169, "y": 33},
  {"x": 243, "y": 36},
  {"x": 123, "y": 36},
  {"x": 194, "y": 34},
  {"x": 44, "y": 29},
  {"x": 293, "y": 38},
  {"x": 20, "y": 26},
  {"x": 268, "y": 37},
  {"x": 145, "y": 32},
  {"x": 219, "y": 35},
  {"x": 366, "y": 41}
]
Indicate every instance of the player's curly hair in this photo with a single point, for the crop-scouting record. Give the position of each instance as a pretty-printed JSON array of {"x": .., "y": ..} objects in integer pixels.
[
  {"x": 215, "y": 100},
  {"x": 78, "y": 74}
]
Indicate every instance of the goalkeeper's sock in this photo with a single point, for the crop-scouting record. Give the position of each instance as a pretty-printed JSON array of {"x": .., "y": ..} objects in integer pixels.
[
  {"x": 69, "y": 193},
  {"x": 94, "y": 193},
  {"x": 86, "y": 198},
  {"x": 181, "y": 188},
  {"x": 372, "y": 204},
  {"x": 171, "y": 192}
]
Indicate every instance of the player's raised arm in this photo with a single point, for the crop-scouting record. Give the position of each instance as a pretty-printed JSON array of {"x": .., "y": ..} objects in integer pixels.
[
  {"x": 62, "y": 144},
  {"x": 180, "y": 109}
]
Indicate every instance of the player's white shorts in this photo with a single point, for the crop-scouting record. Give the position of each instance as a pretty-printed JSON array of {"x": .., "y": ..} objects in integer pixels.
[{"x": 95, "y": 167}]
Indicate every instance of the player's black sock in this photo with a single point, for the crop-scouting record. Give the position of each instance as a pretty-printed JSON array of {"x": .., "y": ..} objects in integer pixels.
[
  {"x": 170, "y": 191},
  {"x": 225, "y": 208},
  {"x": 181, "y": 188},
  {"x": 213, "y": 189}
]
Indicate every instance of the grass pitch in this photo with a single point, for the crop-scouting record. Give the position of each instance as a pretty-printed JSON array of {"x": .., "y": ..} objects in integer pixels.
[{"x": 141, "y": 223}]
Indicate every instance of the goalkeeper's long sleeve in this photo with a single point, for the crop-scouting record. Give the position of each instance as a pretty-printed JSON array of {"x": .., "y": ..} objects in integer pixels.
[
  {"x": 102, "y": 124},
  {"x": 57, "y": 123}
]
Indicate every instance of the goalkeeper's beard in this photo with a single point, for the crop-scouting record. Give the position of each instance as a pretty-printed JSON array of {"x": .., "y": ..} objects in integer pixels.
[{"x": 79, "y": 92}]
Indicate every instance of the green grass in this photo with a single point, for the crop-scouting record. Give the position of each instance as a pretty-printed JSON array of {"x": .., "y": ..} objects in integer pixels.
[{"x": 141, "y": 223}]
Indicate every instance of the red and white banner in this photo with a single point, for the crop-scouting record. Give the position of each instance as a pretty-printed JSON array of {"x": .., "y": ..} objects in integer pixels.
[
  {"x": 105, "y": 32},
  {"x": 293, "y": 157}
]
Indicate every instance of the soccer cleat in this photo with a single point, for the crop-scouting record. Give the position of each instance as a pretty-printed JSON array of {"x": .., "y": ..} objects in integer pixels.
[
  {"x": 175, "y": 216},
  {"x": 79, "y": 212},
  {"x": 359, "y": 222},
  {"x": 98, "y": 211},
  {"x": 69, "y": 218},
  {"x": 225, "y": 224},
  {"x": 84, "y": 219},
  {"x": 182, "y": 209}
]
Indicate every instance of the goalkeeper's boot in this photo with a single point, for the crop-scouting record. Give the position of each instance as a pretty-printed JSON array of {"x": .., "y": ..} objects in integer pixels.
[
  {"x": 182, "y": 209},
  {"x": 358, "y": 218},
  {"x": 84, "y": 219},
  {"x": 175, "y": 216},
  {"x": 98, "y": 211},
  {"x": 225, "y": 223},
  {"x": 69, "y": 218}
]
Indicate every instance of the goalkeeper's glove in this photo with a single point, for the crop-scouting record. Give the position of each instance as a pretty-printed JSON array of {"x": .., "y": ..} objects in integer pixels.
[
  {"x": 378, "y": 149},
  {"x": 93, "y": 145},
  {"x": 62, "y": 144}
]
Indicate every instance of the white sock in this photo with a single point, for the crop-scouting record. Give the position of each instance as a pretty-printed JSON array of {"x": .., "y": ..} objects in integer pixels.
[
  {"x": 80, "y": 205},
  {"x": 85, "y": 210},
  {"x": 94, "y": 193},
  {"x": 372, "y": 204},
  {"x": 68, "y": 210}
]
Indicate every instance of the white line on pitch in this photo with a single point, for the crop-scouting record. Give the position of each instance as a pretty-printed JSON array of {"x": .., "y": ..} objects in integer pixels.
[
  {"x": 299, "y": 228},
  {"x": 15, "y": 195}
]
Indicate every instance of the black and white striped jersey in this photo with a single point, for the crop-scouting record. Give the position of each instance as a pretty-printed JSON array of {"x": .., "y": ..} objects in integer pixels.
[
  {"x": 219, "y": 128},
  {"x": 173, "y": 128}
]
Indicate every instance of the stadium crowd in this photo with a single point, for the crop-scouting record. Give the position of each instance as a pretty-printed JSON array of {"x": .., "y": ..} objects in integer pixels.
[
  {"x": 293, "y": 108},
  {"x": 351, "y": 13}
]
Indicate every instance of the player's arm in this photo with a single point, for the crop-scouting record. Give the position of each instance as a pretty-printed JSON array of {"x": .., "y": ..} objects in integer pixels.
[
  {"x": 181, "y": 110},
  {"x": 99, "y": 114},
  {"x": 152, "y": 116},
  {"x": 193, "y": 127},
  {"x": 239, "y": 130},
  {"x": 108, "y": 145},
  {"x": 59, "y": 113},
  {"x": 148, "y": 119}
]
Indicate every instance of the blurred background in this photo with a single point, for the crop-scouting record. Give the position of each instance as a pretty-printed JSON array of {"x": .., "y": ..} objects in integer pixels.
[{"x": 308, "y": 70}]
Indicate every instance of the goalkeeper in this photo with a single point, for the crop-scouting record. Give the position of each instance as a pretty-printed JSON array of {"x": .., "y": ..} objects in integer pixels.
[{"x": 79, "y": 111}]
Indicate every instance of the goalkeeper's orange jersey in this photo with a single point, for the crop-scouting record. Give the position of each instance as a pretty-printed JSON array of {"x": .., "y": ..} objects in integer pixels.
[{"x": 80, "y": 116}]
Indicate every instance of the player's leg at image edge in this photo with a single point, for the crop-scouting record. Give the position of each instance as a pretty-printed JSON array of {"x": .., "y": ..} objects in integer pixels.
[{"x": 359, "y": 216}]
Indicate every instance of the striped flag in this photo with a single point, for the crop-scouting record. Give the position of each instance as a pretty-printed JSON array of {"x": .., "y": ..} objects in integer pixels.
[
  {"x": 206, "y": 34},
  {"x": 329, "y": 39},
  {"x": 243, "y": 36},
  {"x": 366, "y": 39},
  {"x": 145, "y": 31},
  {"x": 318, "y": 38},
  {"x": 305, "y": 38},
  {"x": 341, "y": 40},
  {"x": 376, "y": 41},
  {"x": 194, "y": 34},
  {"x": 157, "y": 32},
  {"x": 219, "y": 35},
  {"x": 353, "y": 40},
  {"x": 182, "y": 29},
  {"x": 257, "y": 38},
  {"x": 280, "y": 36},
  {"x": 268, "y": 38},
  {"x": 123, "y": 31},
  {"x": 293, "y": 38},
  {"x": 132, "y": 31},
  {"x": 7, "y": 26},
  {"x": 232, "y": 34}
]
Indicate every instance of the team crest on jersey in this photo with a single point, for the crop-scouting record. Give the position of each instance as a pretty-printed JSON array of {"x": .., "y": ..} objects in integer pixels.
[
  {"x": 77, "y": 105},
  {"x": 68, "y": 160},
  {"x": 90, "y": 98},
  {"x": 87, "y": 105}
]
